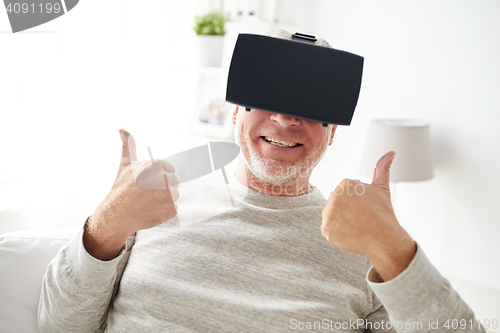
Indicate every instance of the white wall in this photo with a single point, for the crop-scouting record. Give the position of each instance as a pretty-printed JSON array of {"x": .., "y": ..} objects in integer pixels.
[
  {"x": 66, "y": 87},
  {"x": 118, "y": 63},
  {"x": 438, "y": 61}
]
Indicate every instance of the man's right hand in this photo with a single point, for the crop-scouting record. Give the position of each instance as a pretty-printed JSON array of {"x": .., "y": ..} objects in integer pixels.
[{"x": 128, "y": 208}]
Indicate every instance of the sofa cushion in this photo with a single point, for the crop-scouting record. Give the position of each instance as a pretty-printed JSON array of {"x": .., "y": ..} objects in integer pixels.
[{"x": 24, "y": 256}]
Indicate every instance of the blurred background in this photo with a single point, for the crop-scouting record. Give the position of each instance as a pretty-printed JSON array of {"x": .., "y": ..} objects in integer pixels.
[{"x": 67, "y": 86}]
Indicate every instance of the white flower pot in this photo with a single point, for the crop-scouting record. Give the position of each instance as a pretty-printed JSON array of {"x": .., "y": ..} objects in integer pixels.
[{"x": 210, "y": 50}]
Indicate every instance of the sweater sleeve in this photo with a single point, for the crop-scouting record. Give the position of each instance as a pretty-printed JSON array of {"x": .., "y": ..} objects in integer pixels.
[
  {"x": 77, "y": 288},
  {"x": 420, "y": 299}
]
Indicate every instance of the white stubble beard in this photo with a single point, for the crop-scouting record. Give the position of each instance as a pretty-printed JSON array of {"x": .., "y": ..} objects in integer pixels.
[{"x": 273, "y": 171}]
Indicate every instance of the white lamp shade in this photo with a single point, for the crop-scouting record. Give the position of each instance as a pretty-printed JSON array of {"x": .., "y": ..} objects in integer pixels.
[{"x": 409, "y": 139}]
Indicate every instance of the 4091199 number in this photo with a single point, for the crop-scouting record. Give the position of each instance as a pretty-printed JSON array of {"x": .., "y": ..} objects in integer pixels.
[
  {"x": 24, "y": 8},
  {"x": 463, "y": 324}
]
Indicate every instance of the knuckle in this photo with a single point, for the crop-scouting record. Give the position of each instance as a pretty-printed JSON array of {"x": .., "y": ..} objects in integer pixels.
[
  {"x": 174, "y": 192},
  {"x": 168, "y": 210},
  {"x": 125, "y": 160},
  {"x": 336, "y": 193},
  {"x": 168, "y": 166},
  {"x": 172, "y": 179}
]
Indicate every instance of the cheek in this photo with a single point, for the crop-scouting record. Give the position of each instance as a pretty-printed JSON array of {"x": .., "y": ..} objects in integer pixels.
[
  {"x": 319, "y": 147},
  {"x": 321, "y": 135}
]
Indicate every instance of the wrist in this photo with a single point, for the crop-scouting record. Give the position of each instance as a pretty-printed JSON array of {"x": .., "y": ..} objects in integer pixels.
[
  {"x": 101, "y": 241},
  {"x": 107, "y": 223},
  {"x": 392, "y": 259}
]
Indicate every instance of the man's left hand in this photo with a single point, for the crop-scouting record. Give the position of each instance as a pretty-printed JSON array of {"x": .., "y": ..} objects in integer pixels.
[{"x": 359, "y": 218}]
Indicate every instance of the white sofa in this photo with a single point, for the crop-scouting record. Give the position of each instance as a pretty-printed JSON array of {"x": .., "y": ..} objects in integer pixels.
[{"x": 24, "y": 256}]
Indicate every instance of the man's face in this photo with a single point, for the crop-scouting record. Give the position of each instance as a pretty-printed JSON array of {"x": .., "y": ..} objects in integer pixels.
[{"x": 275, "y": 164}]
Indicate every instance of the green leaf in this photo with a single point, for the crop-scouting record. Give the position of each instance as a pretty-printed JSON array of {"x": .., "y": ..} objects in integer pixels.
[{"x": 210, "y": 24}]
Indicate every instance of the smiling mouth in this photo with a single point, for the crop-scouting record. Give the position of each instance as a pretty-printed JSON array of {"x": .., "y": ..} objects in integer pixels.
[{"x": 280, "y": 143}]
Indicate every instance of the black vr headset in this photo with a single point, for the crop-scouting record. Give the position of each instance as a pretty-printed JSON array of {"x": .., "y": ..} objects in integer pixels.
[{"x": 294, "y": 77}]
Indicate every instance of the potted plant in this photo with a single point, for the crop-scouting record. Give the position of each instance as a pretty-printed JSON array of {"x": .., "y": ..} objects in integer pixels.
[{"x": 210, "y": 33}]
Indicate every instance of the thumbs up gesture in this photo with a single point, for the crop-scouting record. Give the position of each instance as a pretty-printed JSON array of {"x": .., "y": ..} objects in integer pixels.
[
  {"x": 142, "y": 196},
  {"x": 359, "y": 218}
]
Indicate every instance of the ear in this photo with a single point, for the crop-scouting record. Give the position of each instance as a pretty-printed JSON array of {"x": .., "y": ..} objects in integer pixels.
[
  {"x": 332, "y": 135},
  {"x": 235, "y": 114}
]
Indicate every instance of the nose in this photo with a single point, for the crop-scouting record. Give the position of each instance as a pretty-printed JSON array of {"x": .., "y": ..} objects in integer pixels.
[{"x": 285, "y": 120}]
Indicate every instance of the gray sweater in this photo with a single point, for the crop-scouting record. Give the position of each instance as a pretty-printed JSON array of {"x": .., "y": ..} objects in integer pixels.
[{"x": 259, "y": 266}]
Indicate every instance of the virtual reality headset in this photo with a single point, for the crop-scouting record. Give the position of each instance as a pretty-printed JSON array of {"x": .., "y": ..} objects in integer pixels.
[{"x": 295, "y": 78}]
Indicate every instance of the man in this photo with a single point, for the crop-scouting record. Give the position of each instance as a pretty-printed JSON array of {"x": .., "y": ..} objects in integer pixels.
[{"x": 262, "y": 265}]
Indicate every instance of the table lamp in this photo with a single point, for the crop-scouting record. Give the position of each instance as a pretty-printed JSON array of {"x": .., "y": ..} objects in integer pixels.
[{"x": 410, "y": 140}]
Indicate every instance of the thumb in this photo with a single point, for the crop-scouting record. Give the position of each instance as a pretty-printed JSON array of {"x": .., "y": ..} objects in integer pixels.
[
  {"x": 381, "y": 175},
  {"x": 128, "y": 147}
]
